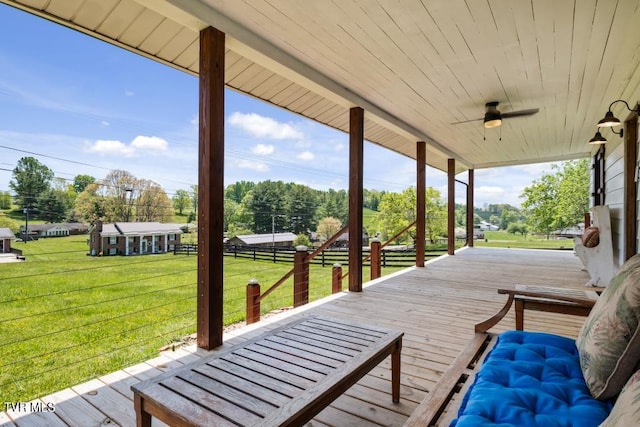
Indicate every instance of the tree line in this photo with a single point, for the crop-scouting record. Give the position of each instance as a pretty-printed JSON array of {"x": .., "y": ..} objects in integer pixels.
[{"x": 557, "y": 200}]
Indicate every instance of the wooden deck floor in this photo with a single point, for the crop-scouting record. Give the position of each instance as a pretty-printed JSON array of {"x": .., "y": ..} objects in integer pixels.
[{"x": 436, "y": 307}]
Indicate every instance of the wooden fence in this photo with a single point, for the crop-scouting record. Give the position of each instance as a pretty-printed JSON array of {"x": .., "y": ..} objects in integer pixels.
[{"x": 388, "y": 257}]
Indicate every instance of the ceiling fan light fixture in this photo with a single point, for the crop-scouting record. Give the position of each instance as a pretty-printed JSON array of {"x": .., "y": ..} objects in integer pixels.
[
  {"x": 598, "y": 139},
  {"x": 492, "y": 122},
  {"x": 609, "y": 120}
]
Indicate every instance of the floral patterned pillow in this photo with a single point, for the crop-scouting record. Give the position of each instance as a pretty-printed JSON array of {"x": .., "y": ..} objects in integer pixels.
[
  {"x": 609, "y": 341},
  {"x": 626, "y": 411}
]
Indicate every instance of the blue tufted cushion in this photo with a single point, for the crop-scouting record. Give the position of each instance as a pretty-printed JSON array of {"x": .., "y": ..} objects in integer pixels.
[{"x": 531, "y": 379}]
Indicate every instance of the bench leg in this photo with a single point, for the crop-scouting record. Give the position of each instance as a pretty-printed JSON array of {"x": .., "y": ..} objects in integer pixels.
[
  {"x": 395, "y": 373},
  {"x": 143, "y": 419},
  {"x": 519, "y": 315}
]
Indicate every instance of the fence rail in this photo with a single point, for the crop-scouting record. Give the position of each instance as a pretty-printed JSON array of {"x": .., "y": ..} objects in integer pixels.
[{"x": 392, "y": 257}]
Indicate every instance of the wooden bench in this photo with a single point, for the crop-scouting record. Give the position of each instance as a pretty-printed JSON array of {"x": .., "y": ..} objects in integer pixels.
[
  {"x": 453, "y": 383},
  {"x": 281, "y": 378}
]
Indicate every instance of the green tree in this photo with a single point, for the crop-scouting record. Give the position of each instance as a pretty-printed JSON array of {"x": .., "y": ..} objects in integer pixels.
[
  {"x": 195, "y": 196},
  {"x": 301, "y": 203},
  {"x": 237, "y": 191},
  {"x": 181, "y": 200},
  {"x": 435, "y": 214},
  {"x": 267, "y": 207},
  {"x": 80, "y": 182},
  {"x": 558, "y": 200},
  {"x": 6, "y": 222},
  {"x": 573, "y": 193},
  {"x": 540, "y": 203},
  {"x": 302, "y": 239},
  {"x": 52, "y": 205},
  {"x": 5, "y": 200},
  {"x": 152, "y": 204},
  {"x": 91, "y": 205},
  {"x": 230, "y": 208},
  {"x": 30, "y": 178},
  {"x": 396, "y": 211},
  {"x": 518, "y": 228},
  {"x": 327, "y": 227},
  {"x": 334, "y": 204}
]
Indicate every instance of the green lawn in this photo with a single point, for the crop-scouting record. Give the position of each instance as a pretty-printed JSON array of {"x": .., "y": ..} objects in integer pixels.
[
  {"x": 66, "y": 317},
  {"x": 502, "y": 239}
]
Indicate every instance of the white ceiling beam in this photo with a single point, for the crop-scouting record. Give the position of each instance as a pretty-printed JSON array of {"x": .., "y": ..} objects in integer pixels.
[{"x": 250, "y": 45}]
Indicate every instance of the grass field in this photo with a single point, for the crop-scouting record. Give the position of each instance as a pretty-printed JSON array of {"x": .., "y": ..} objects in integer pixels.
[
  {"x": 66, "y": 317},
  {"x": 502, "y": 239}
]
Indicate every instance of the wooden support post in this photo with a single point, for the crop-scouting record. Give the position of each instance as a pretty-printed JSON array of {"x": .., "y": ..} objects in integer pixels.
[
  {"x": 451, "y": 206},
  {"x": 300, "y": 276},
  {"x": 630, "y": 185},
  {"x": 376, "y": 259},
  {"x": 336, "y": 279},
  {"x": 253, "y": 301},
  {"x": 211, "y": 189},
  {"x": 421, "y": 160},
  {"x": 470, "y": 235},
  {"x": 356, "y": 157}
]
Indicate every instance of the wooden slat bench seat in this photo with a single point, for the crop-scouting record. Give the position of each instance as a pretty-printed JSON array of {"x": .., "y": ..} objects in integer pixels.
[{"x": 284, "y": 377}]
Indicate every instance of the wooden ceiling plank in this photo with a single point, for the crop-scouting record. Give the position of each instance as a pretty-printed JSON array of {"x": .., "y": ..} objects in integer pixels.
[
  {"x": 160, "y": 37},
  {"x": 121, "y": 18},
  {"x": 92, "y": 13},
  {"x": 145, "y": 23},
  {"x": 65, "y": 9},
  {"x": 179, "y": 44}
]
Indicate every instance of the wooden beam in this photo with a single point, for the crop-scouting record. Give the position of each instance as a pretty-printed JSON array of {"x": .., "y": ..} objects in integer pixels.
[
  {"x": 421, "y": 160},
  {"x": 630, "y": 189},
  {"x": 470, "y": 209},
  {"x": 356, "y": 158},
  {"x": 211, "y": 189},
  {"x": 451, "y": 206}
]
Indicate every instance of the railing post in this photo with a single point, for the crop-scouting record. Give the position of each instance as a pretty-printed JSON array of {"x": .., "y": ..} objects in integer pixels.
[
  {"x": 336, "y": 278},
  {"x": 375, "y": 259},
  {"x": 300, "y": 276},
  {"x": 253, "y": 303}
]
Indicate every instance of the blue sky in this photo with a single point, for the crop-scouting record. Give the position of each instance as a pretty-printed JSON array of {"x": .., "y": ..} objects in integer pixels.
[{"x": 82, "y": 106}]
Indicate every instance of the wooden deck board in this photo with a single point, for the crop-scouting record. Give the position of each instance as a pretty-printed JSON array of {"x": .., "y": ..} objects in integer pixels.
[{"x": 435, "y": 306}]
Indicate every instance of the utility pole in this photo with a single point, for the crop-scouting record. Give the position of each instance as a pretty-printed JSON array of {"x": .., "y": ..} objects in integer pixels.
[{"x": 26, "y": 224}]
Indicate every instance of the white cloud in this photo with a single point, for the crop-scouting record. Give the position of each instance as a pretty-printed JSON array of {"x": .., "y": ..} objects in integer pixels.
[
  {"x": 487, "y": 190},
  {"x": 249, "y": 164},
  {"x": 149, "y": 143},
  {"x": 140, "y": 145},
  {"x": 263, "y": 150},
  {"x": 129, "y": 93},
  {"x": 306, "y": 156},
  {"x": 105, "y": 123},
  {"x": 111, "y": 148},
  {"x": 264, "y": 127}
]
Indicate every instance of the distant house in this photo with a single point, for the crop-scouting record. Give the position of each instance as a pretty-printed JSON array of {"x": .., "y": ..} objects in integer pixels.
[
  {"x": 133, "y": 238},
  {"x": 264, "y": 240},
  {"x": 343, "y": 240},
  {"x": 486, "y": 226},
  {"x": 55, "y": 229},
  {"x": 6, "y": 236}
]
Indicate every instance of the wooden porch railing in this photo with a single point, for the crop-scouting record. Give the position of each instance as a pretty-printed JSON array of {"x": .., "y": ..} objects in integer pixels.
[{"x": 300, "y": 273}]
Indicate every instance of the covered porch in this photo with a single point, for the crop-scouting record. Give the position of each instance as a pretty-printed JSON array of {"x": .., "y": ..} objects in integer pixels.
[{"x": 436, "y": 308}]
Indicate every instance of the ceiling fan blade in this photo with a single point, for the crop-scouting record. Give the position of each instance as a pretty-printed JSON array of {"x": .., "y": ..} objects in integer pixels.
[
  {"x": 520, "y": 113},
  {"x": 468, "y": 121}
]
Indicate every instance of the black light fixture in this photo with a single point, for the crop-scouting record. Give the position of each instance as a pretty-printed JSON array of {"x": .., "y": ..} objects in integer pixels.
[
  {"x": 610, "y": 120},
  {"x": 492, "y": 118},
  {"x": 598, "y": 139}
]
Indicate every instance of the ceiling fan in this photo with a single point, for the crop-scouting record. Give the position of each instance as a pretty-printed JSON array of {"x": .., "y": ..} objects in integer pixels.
[{"x": 493, "y": 117}]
